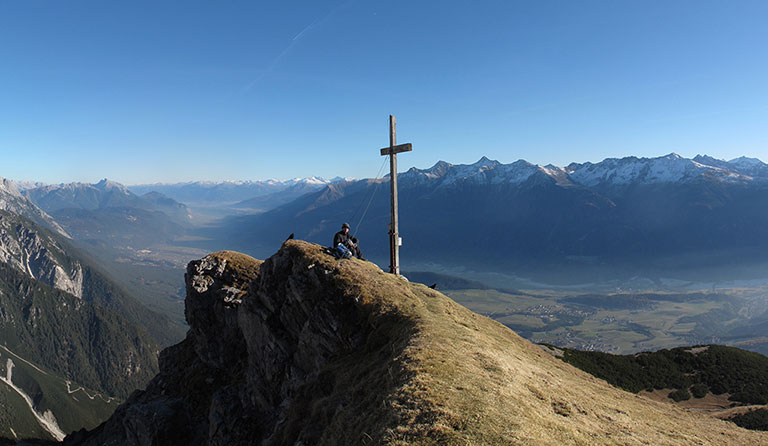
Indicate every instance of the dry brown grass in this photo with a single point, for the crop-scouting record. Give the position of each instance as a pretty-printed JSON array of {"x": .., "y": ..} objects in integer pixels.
[
  {"x": 243, "y": 268},
  {"x": 464, "y": 379}
]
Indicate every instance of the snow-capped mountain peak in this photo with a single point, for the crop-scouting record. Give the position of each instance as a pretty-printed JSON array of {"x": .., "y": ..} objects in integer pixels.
[
  {"x": 558, "y": 173},
  {"x": 665, "y": 169},
  {"x": 12, "y": 200},
  {"x": 484, "y": 171},
  {"x": 309, "y": 180},
  {"x": 516, "y": 172},
  {"x": 745, "y": 162},
  {"x": 106, "y": 184},
  {"x": 335, "y": 180},
  {"x": 9, "y": 187},
  {"x": 22, "y": 185},
  {"x": 485, "y": 162},
  {"x": 480, "y": 167}
]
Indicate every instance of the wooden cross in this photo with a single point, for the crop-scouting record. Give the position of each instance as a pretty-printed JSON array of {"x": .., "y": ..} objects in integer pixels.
[{"x": 394, "y": 236}]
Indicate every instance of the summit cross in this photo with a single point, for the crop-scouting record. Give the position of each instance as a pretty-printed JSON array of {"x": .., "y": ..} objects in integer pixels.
[{"x": 394, "y": 236}]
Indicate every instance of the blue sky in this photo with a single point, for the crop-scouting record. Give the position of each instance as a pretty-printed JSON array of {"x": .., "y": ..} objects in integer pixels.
[{"x": 176, "y": 91}]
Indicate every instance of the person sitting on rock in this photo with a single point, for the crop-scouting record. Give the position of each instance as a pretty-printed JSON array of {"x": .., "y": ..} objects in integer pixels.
[{"x": 344, "y": 239}]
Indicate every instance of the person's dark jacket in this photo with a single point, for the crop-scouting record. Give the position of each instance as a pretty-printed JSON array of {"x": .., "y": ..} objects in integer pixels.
[{"x": 345, "y": 239}]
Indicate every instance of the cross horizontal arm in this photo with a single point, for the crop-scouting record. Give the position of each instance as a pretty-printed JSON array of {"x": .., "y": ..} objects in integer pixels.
[{"x": 396, "y": 149}]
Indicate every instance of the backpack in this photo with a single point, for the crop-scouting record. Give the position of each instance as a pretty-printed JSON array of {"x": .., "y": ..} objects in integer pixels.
[{"x": 342, "y": 252}]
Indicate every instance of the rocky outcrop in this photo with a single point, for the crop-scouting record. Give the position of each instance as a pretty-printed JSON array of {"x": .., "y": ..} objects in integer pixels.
[
  {"x": 304, "y": 349},
  {"x": 33, "y": 253},
  {"x": 264, "y": 340}
]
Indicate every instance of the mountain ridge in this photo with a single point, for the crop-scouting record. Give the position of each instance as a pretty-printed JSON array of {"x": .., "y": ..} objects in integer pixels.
[
  {"x": 108, "y": 212},
  {"x": 306, "y": 349},
  {"x": 13, "y": 200},
  {"x": 624, "y": 215},
  {"x": 667, "y": 168},
  {"x": 104, "y": 194},
  {"x": 232, "y": 191}
]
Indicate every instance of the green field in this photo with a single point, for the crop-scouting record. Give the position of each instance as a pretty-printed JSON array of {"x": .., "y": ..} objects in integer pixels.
[{"x": 627, "y": 322}]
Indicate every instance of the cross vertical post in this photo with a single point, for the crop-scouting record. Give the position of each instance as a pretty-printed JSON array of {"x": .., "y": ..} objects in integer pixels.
[
  {"x": 394, "y": 234},
  {"x": 394, "y": 246}
]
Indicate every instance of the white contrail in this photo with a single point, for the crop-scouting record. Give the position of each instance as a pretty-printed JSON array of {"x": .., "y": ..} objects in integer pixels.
[
  {"x": 271, "y": 66},
  {"x": 301, "y": 33}
]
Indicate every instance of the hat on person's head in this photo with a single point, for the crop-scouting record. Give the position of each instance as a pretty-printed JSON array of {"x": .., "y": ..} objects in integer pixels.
[{"x": 345, "y": 225}]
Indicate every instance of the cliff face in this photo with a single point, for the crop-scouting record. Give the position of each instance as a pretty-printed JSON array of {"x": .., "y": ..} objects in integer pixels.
[
  {"x": 304, "y": 349},
  {"x": 37, "y": 255}
]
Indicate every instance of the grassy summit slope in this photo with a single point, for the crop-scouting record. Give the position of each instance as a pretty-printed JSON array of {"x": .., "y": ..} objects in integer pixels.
[{"x": 466, "y": 379}]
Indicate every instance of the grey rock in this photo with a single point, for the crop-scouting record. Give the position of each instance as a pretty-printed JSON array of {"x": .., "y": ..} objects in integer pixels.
[{"x": 38, "y": 255}]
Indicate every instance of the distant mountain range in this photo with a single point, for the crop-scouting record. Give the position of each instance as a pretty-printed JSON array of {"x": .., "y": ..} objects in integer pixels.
[
  {"x": 661, "y": 213},
  {"x": 104, "y": 194},
  {"x": 658, "y": 214},
  {"x": 233, "y": 192},
  {"x": 108, "y": 211}
]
